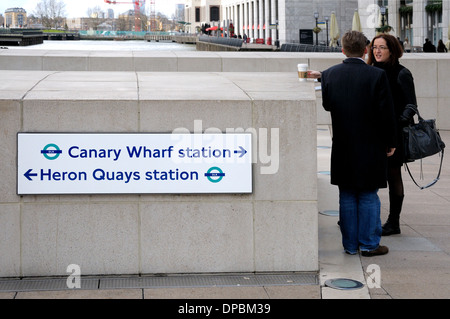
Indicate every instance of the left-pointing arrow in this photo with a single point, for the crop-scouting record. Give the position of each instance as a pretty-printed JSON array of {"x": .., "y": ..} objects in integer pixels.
[{"x": 28, "y": 174}]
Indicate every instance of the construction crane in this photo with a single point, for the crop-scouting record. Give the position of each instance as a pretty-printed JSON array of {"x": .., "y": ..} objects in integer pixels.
[
  {"x": 153, "y": 22},
  {"x": 138, "y": 4}
]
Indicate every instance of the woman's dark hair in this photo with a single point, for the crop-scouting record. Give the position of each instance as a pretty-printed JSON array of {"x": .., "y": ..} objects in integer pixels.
[{"x": 395, "y": 48}]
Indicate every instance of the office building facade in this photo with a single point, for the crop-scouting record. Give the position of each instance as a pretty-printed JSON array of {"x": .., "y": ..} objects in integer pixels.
[
  {"x": 15, "y": 18},
  {"x": 283, "y": 19}
]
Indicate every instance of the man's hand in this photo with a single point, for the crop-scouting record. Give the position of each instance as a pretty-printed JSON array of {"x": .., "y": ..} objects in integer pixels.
[
  {"x": 390, "y": 151},
  {"x": 314, "y": 74}
]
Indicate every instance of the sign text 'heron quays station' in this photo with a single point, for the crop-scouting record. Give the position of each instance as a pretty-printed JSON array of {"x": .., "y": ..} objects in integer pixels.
[{"x": 129, "y": 163}]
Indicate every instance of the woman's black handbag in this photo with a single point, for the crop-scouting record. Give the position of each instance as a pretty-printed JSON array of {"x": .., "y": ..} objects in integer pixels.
[{"x": 421, "y": 140}]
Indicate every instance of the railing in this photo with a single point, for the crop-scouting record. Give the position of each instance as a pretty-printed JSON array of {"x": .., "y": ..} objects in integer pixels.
[
  {"x": 295, "y": 47},
  {"x": 233, "y": 42},
  {"x": 21, "y": 31},
  {"x": 124, "y": 33}
]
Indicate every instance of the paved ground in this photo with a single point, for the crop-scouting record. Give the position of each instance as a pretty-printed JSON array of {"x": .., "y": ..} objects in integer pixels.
[
  {"x": 417, "y": 266},
  {"x": 418, "y": 263}
]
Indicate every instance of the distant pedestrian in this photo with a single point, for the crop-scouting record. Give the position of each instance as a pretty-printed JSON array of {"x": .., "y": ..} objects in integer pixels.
[
  {"x": 441, "y": 47},
  {"x": 407, "y": 45},
  {"x": 428, "y": 46}
]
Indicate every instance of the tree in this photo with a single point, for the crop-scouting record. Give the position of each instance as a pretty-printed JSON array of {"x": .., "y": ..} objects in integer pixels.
[
  {"x": 51, "y": 12},
  {"x": 96, "y": 17}
]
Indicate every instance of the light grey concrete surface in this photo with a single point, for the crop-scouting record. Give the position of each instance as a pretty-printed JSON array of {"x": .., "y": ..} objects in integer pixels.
[
  {"x": 430, "y": 70},
  {"x": 418, "y": 262},
  {"x": 416, "y": 266},
  {"x": 133, "y": 234}
]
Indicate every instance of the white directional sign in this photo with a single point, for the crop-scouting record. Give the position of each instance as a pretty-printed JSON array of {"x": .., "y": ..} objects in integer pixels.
[{"x": 133, "y": 163}]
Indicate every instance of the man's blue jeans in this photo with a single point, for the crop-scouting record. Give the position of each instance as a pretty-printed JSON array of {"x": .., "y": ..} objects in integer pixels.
[{"x": 359, "y": 220}]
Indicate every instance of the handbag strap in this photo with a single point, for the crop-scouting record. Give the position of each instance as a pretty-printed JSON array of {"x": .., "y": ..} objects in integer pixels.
[
  {"x": 434, "y": 181},
  {"x": 416, "y": 109}
]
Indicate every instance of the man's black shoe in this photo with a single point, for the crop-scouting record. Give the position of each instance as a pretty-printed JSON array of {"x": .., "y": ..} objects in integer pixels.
[{"x": 381, "y": 250}]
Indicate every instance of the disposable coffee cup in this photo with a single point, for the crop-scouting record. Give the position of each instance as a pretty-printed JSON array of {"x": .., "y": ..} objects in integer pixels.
[{"x": 302, "y": 72}]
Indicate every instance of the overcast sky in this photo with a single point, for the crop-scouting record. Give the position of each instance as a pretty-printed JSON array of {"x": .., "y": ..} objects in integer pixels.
[{"x": 78, "y": 8}]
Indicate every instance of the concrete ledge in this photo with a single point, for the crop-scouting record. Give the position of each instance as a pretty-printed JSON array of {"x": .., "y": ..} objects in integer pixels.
[
  {"x": 142, "y": 61},
  {"x": 430, "y": 70},
  {"x": 273, "y": 229}
]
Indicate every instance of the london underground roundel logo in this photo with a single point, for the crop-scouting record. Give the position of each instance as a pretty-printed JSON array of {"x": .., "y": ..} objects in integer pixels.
[
  {"x": 51, "y": 151},
  {"x": 215, "y": 174}
]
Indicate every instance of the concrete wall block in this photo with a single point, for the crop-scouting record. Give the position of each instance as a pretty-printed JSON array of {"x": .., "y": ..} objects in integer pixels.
[
  {"x": 188, "y": 86},
  {"x": 99, "y": 237},
  {"x": 14, "y": 62},
  {"x": 65, "y": 63},
  {"x": 199, "y": 64},
  {"x": 108, "y": 63},
  {"x": 425, "y": 76},
  {"x": 286, "y": 63},
  {"x": 87, "y": 78},
  {"x": 155, "y": 61},
  {"x": 323, "y": 117},
  {"x": 79, "y": 198},
  {"x": 242, "y": 62},
  {"x": 286, "y": 168},
  {"x": 155, "y": 64},
  {"x": 9, "y": 240},
  {"x": 286, "y": 236},
  {"x": 270, "y": 86},
  {"x": 443, "y": 78},
  {"x": 186, "y": 237},
  {"x": 80, "y": 116},
  {"x": 10, "y": 124},
  {"x": 321, "y": 63},
  {"x": 195, "y": 116},
  {"x": 443, "y": 110},
  {"x": 107, "y": 234},
  {"x": 428, "y": 107}
]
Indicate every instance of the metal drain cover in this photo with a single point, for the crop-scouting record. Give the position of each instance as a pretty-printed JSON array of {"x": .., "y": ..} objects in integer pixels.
[{"x": 343, "y": 284}]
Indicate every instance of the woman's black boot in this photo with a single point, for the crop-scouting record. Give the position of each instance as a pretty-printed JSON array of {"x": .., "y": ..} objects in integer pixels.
[{"x": 392, "y": 225}]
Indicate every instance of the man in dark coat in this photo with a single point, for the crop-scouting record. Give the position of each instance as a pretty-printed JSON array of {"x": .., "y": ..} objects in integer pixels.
[
  {"x": 364, "y": 135},
  {"x": 428, "y": 46}
]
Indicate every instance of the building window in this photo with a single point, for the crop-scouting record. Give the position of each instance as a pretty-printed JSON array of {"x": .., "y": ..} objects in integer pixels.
[
  {"x": 214, "y": 13},
  {"x": 434, "y": 12},
  {"x": 20, "y": 20},
  {"x": 197, "y": 14},
  {"x": 406, "y": 20}
]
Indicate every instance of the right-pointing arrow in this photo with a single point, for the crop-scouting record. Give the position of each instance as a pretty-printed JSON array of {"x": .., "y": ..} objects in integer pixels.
[{"x": 242, "y": 151}]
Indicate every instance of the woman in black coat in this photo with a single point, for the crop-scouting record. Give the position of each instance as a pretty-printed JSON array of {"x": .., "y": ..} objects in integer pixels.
[{"x": 385, "y": 53}]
